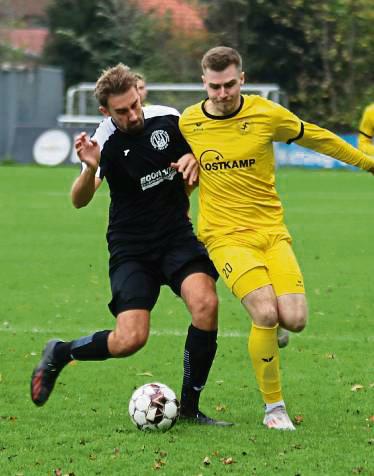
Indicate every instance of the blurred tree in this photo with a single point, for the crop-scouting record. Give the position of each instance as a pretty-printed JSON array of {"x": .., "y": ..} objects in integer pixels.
[
  {"x": 319, "y": 52},
  {"x": 90, "y": 35},
  {"x": 9, "y": 55},
  {"x": 79, "y": 40}
]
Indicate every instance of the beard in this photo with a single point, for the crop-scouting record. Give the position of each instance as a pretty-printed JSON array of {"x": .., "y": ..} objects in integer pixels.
[{"x": 134, "y": 128}]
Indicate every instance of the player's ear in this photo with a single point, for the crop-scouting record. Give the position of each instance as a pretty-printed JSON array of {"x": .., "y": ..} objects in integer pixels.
[
  {"x": 242, "y": 77},
  {"x": 104, "y": 111}
]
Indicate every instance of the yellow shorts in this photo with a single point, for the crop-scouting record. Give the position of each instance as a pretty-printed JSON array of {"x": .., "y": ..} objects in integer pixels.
[{"x": 250, "y": 260}]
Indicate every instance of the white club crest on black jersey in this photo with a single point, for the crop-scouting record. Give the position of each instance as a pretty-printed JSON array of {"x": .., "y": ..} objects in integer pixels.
[{"x": 160, "y": 139}]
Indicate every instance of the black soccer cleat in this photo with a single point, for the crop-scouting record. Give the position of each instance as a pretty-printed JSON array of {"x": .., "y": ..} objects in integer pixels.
[
  {"x": 45, "y": 375},
  {"x": 201, "y": 419}
]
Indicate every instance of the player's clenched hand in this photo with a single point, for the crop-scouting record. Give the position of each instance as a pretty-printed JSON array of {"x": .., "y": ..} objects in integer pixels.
[
  {"x": 88, "y": 150},
  {"x": 188, "y": 166}
]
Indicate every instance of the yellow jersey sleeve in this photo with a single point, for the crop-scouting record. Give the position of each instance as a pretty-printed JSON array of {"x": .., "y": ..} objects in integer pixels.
[
  {"x": 366, "y": 131},
  {"x": 286, "y": 126},
  {"x": 326, "y": 142}
]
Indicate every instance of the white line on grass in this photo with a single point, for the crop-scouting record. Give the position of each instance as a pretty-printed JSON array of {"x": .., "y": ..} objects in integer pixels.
[{"x": 178, "y": 333}]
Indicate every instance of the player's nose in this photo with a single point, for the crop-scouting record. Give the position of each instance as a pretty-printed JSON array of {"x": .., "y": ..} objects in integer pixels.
[
  {"x": 222, "y": 92},
  {"x": 133, "y": 117}
]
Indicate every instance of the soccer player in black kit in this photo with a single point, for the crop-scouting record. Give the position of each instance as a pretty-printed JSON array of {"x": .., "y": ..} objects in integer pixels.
[{"x": 150, "y": 239}]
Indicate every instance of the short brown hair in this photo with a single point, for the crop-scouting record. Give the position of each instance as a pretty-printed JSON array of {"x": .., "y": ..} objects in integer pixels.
[
  {"x": 115, "y": 80},
  {"x": 220, "y": 57}
]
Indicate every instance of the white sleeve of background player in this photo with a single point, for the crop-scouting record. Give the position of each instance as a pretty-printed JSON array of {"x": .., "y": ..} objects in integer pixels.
[
  {"x": 152, "y": 111},
  {"x": 84, "y": 166},
  {"x": 105, "y": 129}
]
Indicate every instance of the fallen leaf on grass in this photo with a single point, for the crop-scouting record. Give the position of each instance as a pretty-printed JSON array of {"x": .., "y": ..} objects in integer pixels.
[
  {"x": 206, "y": 461},
  {"x": 358, "y": 470},
  {"x": 219, "y": 382},
  {"x": 220, "y": 407},
  {"x": 357, "y": 387},
  {"x": 371, "y": 418},
  {"x": 145, "y": 374},
  {"x": 58, "y": 472},
  {"x": 158, "y": 464},
  {"x": 228, "y": 460},
  {"x": 116, "y": 453},
  {"x": 297, "y": 446},
  {"x": 298, "y": 419},
  {"x": 330, "y": 356}
]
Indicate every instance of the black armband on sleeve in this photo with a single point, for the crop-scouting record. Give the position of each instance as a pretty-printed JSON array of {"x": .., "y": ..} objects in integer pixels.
[
  {"x": 299, "y": 136},
  {"x": 366, "y": 135}
]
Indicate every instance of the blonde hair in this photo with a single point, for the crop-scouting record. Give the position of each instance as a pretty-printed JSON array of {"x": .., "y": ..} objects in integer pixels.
[
  {"x": 115, "y": 80},
  {"x": 139, "y": 77}
]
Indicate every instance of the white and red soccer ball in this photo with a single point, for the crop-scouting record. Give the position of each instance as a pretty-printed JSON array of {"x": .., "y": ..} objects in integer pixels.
[{"x": 154, "y": 406}]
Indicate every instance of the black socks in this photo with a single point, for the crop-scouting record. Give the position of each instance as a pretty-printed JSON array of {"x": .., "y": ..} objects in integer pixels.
[
  {"x": 199, "y": 352},
  {"x": 93, "y": 347}
]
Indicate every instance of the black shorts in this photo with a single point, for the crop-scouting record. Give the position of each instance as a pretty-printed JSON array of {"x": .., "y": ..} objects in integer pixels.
[{"x": 136, "y": 283}]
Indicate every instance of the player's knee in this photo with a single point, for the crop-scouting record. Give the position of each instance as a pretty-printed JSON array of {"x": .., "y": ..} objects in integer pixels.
[
  {"x": 204, "y": 310},
  {"x": 295, "y": 320},
  {"x": 299, "y": 322},
  {"x": 266, "y": 315}
]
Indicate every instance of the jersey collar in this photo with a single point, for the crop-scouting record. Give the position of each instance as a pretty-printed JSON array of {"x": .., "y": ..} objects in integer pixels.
[{"x": 228, "y": 116}]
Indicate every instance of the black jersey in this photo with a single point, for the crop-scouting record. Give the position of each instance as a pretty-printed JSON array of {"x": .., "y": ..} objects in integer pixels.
[{"x": 148, "y": 200}]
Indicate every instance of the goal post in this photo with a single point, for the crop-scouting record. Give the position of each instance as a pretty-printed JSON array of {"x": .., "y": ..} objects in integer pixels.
[{"x": 82, "y": 107}]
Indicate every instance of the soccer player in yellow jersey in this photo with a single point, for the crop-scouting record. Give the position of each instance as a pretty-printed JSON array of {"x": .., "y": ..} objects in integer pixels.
[
  {"x": 366, "y": 131},
  {"x": 240, "y": 213}
]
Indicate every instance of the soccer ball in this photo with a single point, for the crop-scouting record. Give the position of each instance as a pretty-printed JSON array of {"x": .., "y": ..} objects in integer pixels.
[{"x": 154, "y": 406}]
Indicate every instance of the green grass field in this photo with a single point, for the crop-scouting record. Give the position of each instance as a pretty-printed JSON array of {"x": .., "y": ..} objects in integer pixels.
[{"x": 53, "y": 278}]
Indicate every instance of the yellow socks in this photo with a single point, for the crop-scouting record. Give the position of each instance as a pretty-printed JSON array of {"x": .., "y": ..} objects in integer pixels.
[{"x": 264, "y": 353}]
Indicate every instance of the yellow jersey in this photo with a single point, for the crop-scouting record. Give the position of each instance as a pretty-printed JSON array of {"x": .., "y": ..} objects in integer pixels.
[
  {"x": 366, "y": 131},
  {"x": 236, "y": 164}
]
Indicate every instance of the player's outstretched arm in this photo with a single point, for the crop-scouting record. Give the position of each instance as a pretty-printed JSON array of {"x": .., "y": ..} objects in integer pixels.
[
  {"x": 86, "y": 184},
  {"x": 326, "y": 142},
  {"x": 188, "y": 166}
]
